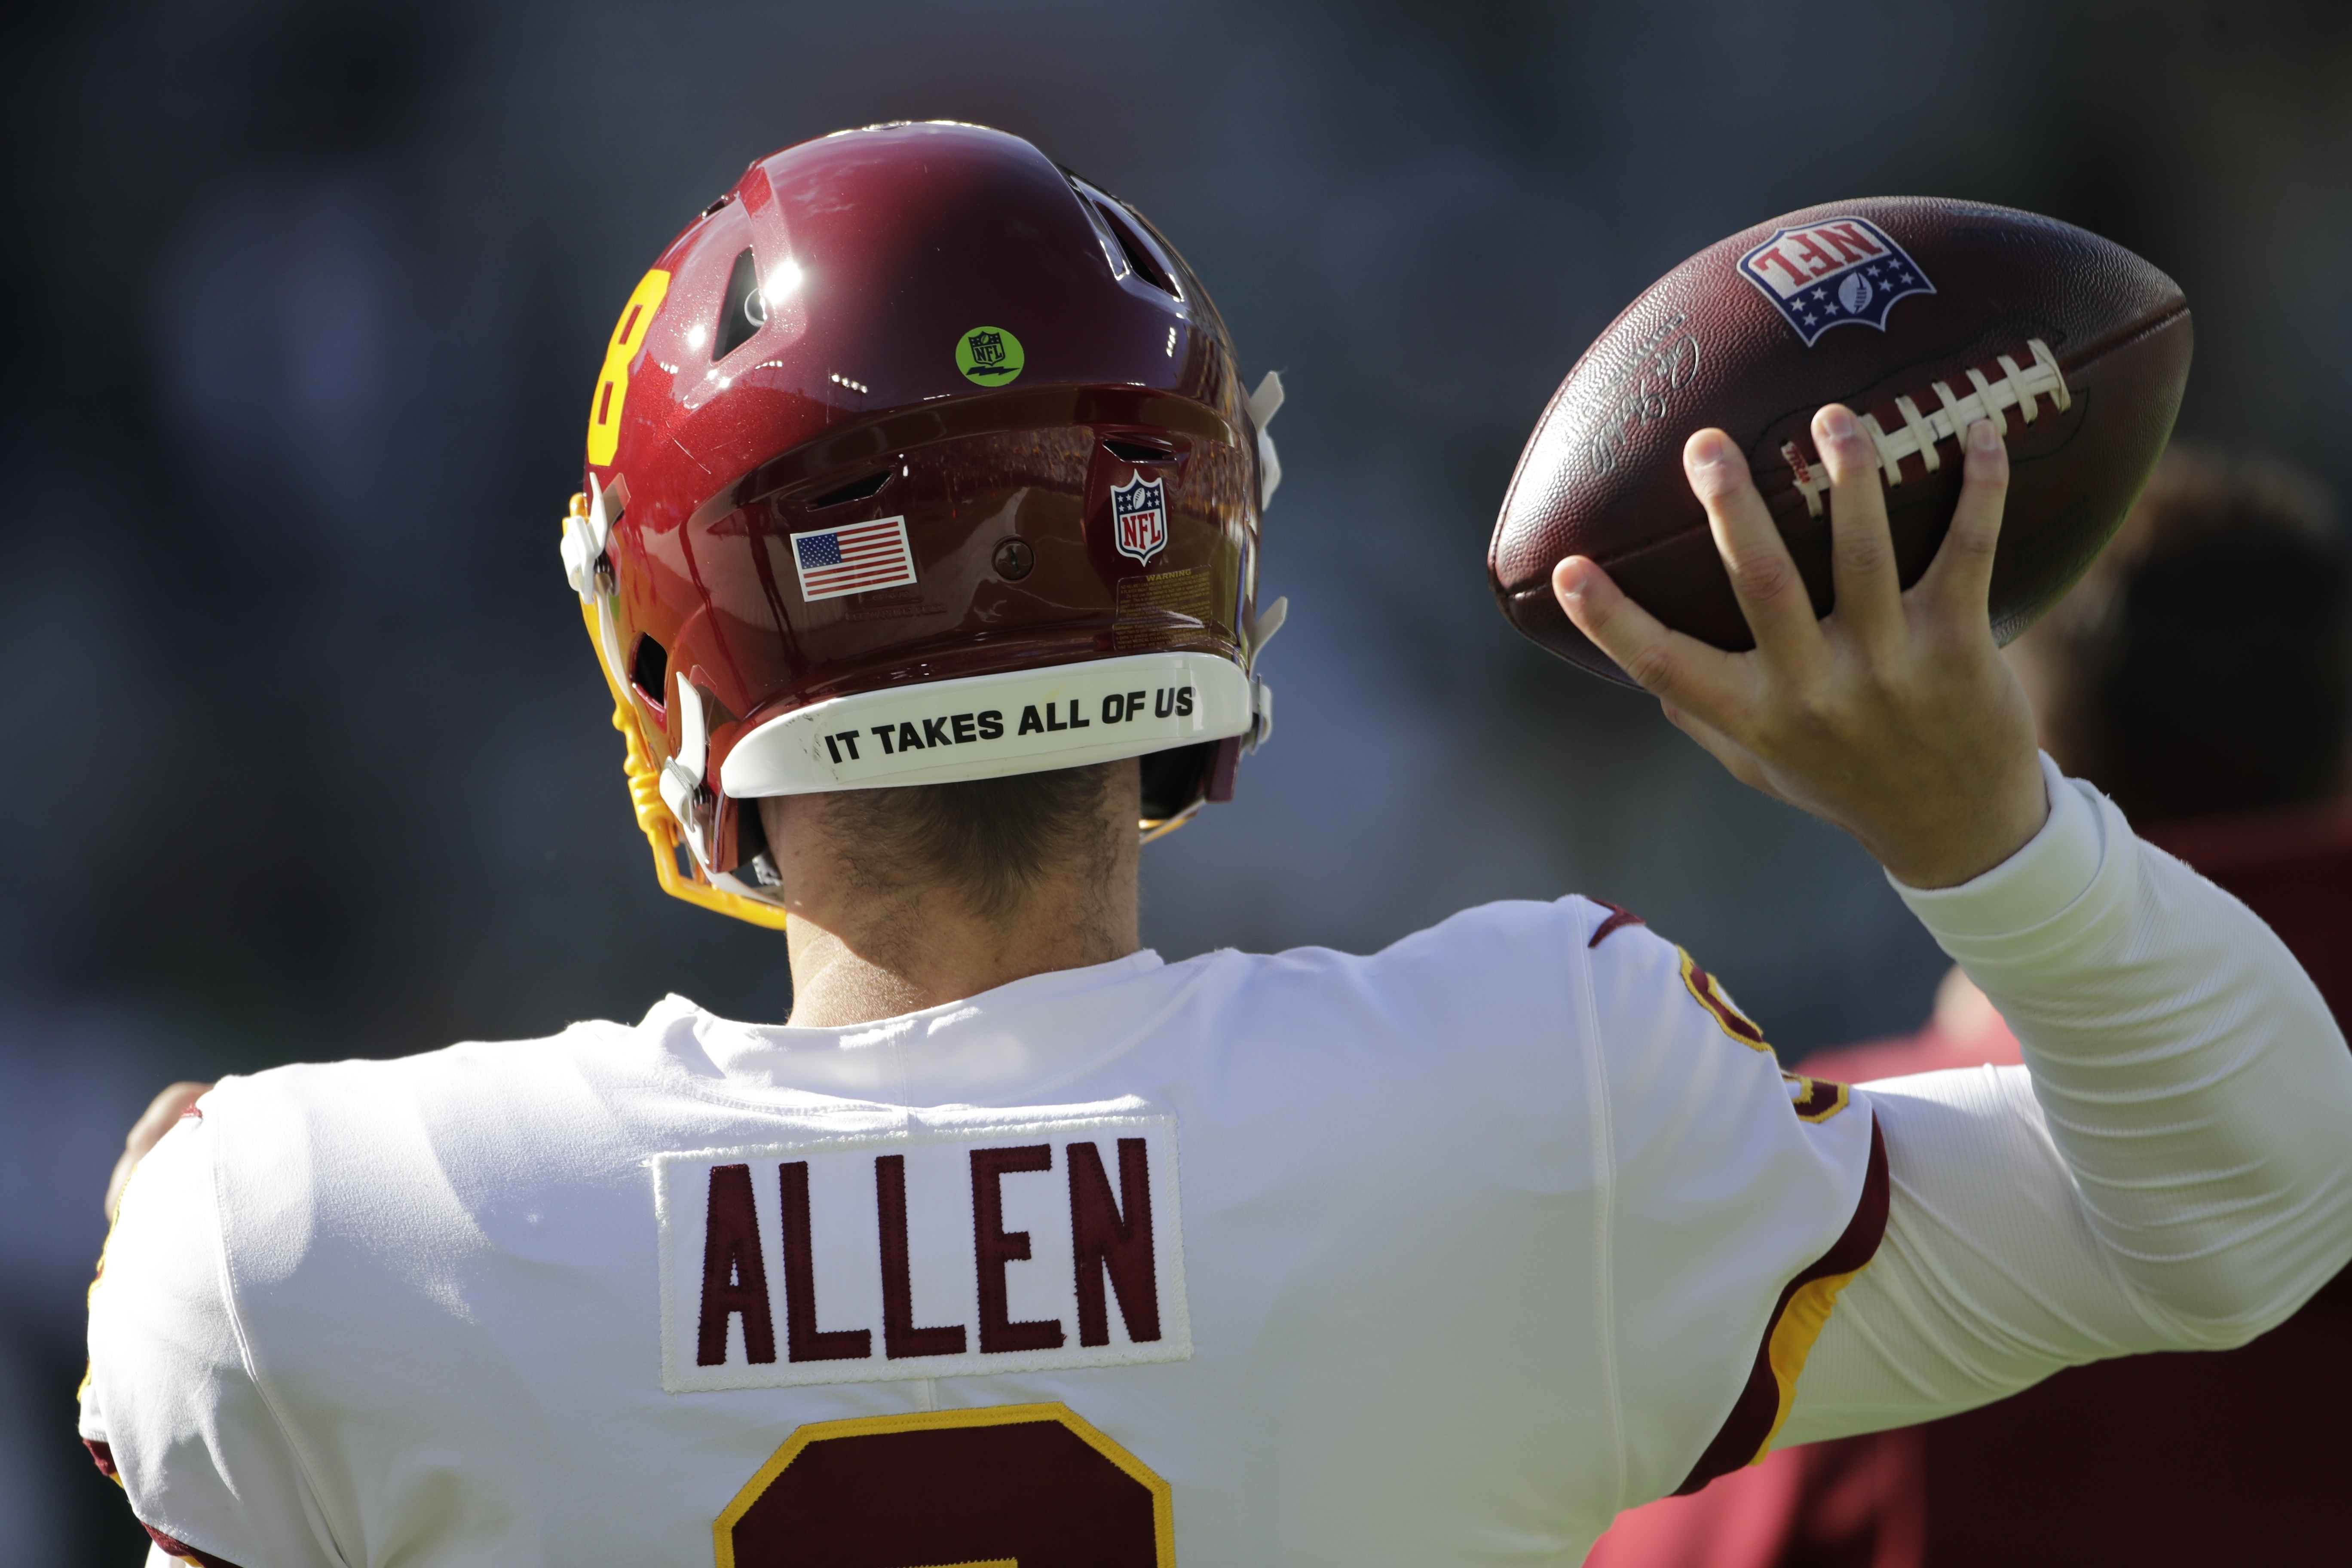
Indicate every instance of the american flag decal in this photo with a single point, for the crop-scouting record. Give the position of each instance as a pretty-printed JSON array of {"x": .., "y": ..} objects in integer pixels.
[{"x": 855, "y": 558}]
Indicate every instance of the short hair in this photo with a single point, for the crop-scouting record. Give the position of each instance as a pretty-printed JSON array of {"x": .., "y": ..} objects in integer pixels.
[
  {"x": 990, "y": 840},
  {"x": 2204, "y": 663}
]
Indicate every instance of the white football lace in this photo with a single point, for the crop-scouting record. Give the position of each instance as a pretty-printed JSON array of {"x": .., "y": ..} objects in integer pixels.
[{"x": 2017, "y": 388}]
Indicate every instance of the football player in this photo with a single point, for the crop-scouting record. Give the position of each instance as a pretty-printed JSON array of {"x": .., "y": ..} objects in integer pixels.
[{"x": 919, "y": 545}]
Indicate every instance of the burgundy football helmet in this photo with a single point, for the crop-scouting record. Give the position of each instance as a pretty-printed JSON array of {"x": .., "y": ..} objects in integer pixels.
[{"x": 916, "y": 459}]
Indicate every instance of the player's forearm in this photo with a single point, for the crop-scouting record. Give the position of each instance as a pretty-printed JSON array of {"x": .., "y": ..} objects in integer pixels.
[{"x": 2192, "y": 1079}]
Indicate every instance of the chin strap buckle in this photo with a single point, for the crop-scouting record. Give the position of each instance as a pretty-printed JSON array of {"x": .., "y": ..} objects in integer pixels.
[
  {"x": 587, "y": 533},
  {"x": 587, "y": 530},
  {"x": 1269, "y": 621},
  {"x": 683, "y": 789},
  {"x": 1262, "y": 405}
]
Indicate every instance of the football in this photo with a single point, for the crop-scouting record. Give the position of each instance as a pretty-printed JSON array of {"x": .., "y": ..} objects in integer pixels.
[{"x": 1922, "y": 316}]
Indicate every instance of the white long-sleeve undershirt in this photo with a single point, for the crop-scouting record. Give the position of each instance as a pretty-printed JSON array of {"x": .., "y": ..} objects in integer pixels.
[{"x": 2171, "y": 1169}]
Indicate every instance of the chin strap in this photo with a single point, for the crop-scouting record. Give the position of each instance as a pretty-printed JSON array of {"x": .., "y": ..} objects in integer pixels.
[
  {"x": 1269, "y": 621},
  {"x": 587, "y": 530},
  {"x": 1264, "y": 405},
  {"x": 650, "y": 784},
  {"x": 1262, "y": 412}
]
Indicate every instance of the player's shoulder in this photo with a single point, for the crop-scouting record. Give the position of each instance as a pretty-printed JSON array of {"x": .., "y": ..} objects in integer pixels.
[
  {"x": 1688, "y": 1066},
  {"x": 1637, "y": 970},
  {"x": 529, "y": 1067},
  {"x": 1505, "y": 970},
  {"x": 1482, "y": 941},
  {"x": 1487, "y": 936},
  {"x": 517, "y": 1104}
]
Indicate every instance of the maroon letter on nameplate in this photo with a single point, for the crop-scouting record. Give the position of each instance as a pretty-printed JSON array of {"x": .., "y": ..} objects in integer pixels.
[
  {"x": 900, "y": 1336},
  {"x": 1113, "y": 1238},
  {"x": 803, "y": 1341},
  {"x": 998, "y": 1246},
  {"x": 734, "y": 1275}
]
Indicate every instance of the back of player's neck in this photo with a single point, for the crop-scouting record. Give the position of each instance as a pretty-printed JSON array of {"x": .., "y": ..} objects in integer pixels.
[{"x": 931, "y": 952}]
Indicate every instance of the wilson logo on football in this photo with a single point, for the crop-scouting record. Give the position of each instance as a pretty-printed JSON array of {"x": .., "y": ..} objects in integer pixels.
[
  {"x": 1832, "y": 273},
  {"x": 1139, "y": 517}
]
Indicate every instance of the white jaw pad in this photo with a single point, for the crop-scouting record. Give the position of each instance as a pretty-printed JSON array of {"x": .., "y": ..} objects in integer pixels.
[{"x": 986, "y": 726}]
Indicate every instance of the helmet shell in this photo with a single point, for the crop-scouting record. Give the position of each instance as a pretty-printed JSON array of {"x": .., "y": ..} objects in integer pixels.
[{"x": 929, "y": 343}]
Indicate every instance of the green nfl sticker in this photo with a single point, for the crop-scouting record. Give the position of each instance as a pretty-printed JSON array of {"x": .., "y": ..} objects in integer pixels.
[{"x": 989, "y": 355}]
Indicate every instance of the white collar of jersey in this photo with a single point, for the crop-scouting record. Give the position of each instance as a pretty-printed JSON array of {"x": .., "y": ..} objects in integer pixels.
[{"x": 1002, "y": 1046}]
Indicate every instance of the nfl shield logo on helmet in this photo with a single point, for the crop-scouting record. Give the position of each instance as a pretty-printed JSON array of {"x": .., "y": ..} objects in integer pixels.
[
  {"x": 1139, "y": 517},
  {"x": 1831, "y": 273}
]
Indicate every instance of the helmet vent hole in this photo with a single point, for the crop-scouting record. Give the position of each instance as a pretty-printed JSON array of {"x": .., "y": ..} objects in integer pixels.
[
  {"x": 1137, "y": 452},
  {"x": 746, "y": 310},
  {"x": 649, "y": 670},
  {"x": 1138, "y": 255},
  {"x": 856, "y": 489}
]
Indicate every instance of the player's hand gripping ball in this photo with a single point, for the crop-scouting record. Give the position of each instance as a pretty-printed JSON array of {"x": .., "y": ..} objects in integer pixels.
[{"x": 1922, "y": 316}]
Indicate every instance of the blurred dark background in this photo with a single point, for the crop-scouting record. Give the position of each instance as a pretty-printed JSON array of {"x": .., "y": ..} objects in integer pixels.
[{"x": 306, "y": 302}]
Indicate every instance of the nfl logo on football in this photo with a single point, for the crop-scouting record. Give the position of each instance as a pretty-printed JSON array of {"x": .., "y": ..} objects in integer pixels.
[
  {"x": 1834, "y": 273},
  {"x": 1139, "y": 517}
]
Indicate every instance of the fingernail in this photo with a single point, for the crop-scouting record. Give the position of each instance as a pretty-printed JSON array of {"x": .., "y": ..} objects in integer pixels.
[
  {"x": 1983, "y": 437},
  {"x": 1573, "y": 576},
  {"x": 1837, "y": 423},
  {"x": 1706, "y": 450}
]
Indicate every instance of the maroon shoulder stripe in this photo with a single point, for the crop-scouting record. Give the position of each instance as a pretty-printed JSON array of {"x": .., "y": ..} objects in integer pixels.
[
  {"x": 103, "y": 1456},
  {"x": 1751, "y": 1422},
  {"x": 182, "y": 1549},
  {"x": 1618, "y": 919}
]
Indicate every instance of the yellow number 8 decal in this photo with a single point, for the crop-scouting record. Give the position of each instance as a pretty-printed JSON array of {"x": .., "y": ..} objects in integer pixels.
[
  {"x": 1028, "y": 1485},
  {"x": 612, "y": 381}
]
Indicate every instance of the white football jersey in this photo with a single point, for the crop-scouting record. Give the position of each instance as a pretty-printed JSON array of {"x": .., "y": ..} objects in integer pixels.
[{"x": 1441, "y": 1255}]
